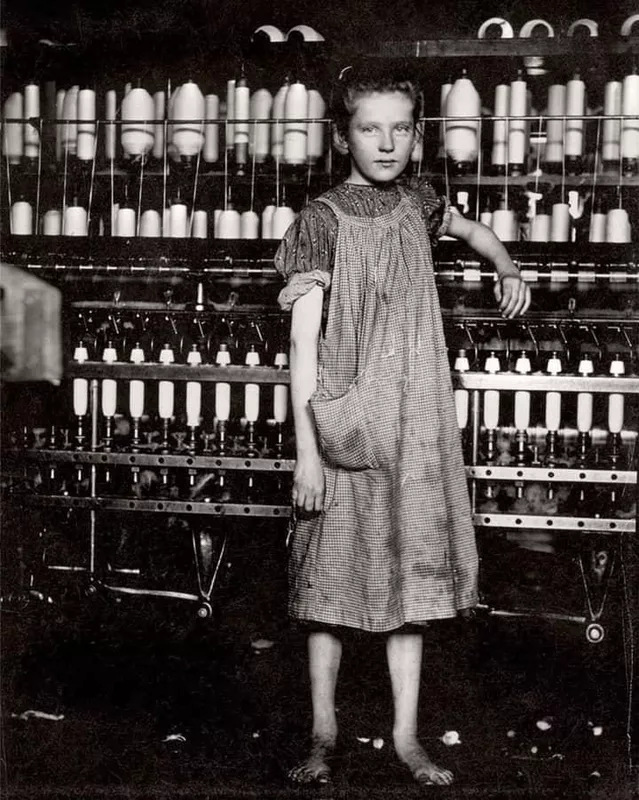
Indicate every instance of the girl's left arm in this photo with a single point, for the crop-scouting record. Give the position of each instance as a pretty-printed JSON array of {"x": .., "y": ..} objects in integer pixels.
[{"x": 511, "y": 291}]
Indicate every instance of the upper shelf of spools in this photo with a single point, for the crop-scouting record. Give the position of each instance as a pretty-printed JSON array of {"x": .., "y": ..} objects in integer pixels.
[{"x": 234, "y": 152}]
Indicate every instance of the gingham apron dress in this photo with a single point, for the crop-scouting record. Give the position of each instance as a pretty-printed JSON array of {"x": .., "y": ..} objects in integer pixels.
[{"x": 394, "y": 543}]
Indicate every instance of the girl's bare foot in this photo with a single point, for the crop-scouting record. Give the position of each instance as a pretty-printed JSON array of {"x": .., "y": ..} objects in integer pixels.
[
  {"x": 416, "y": 759},
  {"x": 315, "y": 768}
]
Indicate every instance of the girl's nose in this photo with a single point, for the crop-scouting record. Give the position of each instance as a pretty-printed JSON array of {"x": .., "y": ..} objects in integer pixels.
[{"x": 386, "y": 142}]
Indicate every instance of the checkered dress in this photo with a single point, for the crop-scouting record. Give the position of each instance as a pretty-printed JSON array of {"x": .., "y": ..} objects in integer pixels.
[{"x": 394, "y": 543}]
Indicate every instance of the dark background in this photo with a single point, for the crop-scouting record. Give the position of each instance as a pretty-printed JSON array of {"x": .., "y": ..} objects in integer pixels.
[{"x": 202, "y": 33}]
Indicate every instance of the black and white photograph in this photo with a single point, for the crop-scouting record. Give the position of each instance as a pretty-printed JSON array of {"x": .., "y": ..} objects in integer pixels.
[{"x": 319, "y": 416}]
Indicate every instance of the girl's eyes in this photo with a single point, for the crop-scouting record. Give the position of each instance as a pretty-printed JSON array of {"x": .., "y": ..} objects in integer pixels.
[{"x": 402, "y": 128}]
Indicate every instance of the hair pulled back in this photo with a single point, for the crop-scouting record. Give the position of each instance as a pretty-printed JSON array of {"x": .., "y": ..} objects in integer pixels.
[{"x": 357, "y": 81}]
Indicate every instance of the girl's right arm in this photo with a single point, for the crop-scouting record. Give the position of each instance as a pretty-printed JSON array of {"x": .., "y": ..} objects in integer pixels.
[{"x": 308, "y": 477}]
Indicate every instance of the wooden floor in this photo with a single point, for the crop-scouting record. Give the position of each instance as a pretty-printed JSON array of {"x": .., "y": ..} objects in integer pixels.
[{"x": 154, "y": 703}]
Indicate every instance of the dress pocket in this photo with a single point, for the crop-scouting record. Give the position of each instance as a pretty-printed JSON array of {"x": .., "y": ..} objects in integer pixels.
[{"x": 343, "y": 428}]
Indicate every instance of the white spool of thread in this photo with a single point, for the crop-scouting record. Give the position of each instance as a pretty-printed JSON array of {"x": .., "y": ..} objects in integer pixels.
[
  {"x": 166, "y": 389},
  {"x": 462, "y": 405},
  {"x": 13, "y": 138},
  {"x": 267, "y": 221},
  {"x": 522, "y": 410},
  {"x": 584, "y": 412},
  {"x": 69, "y": 117},
  {"x": 615, "y": 412},
  {"x": 166, "y": 222},
  {"x": 166, "y": 399},
  {"x": 560, "y": 223},
  {"x": 80, "y": 385},
  {"x": 193, "y": 403},
  {"x": 616, "y": 399},
  {"x": 159, "y": 113},
  {"x": 597, "y": 229},
  {"x": 462, "y": 104},
  {"x": 277, "y": 132},
  {"x": 59, "y": 105},
  {"x": 109, "y": 397},
  {"x": 315, "y": 110},
  {"x": 617, "y": 226},
  {"x": 630, "y": 123},
  {"x": 554, "y": 149},
  {"x": 280, "y": 392},
  {"x": 80, "y": 396},
  {"x": 486, "y": 218},
  {"x": 178, "y": 218},
  {"x": 114, "y": 218},
  {"x": 295, "y": 131},
  {"x": 499, "y": 157},
  {"x": 228, "y": 225},
  {"x": 522, "y": 398},
  {"x": 223, "y": 389},
  {"x": 504, "y": 224},
  {"x": 52, "y": 222},
  {"x": 280, "y": 403},
  {"x": 540, "y": 228},
  {"x": 491, "y": 396},
  {"x": 125, "y": 222},
  {"x": 611, "y": 135},
  {"x": 188, "y": 119},
  {"x": 553, "y": 411},
  {"x": 110, "y": 113},
  {"x": 462, "y": 396},
  {"x": 136, "y": 387},
  {"x": 216, "y": 221},
  {"x": 260, "y": 133},
  {"x": 584, "y": 399},
  {"x": 491, "y": 409},
  {"x": 229, "y": 128},
  {"x": 211, "y": 150},
  {"x": 86, "y": 128},
  {"x": 575, "y": 112},
  {"x": 241, "y": 128},
  {"x": 75, "y": 221},
  {"x": 200, "y": 227},
  {"x": 109, "y": 386},
  {"x": 21, "y": 218},
  {"x": 150, "y": 223},
  {"x": 252, "y": 402},
  {"x": 193, "y": 393},
  {"x": 223, "y": 401},
  {"x": 138, "y": 122},
  {"x": 283, "y": 218},
  {"x": 517, "y": 128},
  {"x": 32, "y": 112},
  {"x": 252, "y": 390},
  {"x": 249, "y": 225}
]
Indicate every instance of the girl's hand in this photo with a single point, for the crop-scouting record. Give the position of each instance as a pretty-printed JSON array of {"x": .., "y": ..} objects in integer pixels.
[
  {"x": 308, "y": 484},
  {"x": 513, "y": 295}
]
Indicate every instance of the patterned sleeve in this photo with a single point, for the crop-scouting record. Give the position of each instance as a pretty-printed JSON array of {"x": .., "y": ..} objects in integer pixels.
[
  {"x": 435, "y": 208},
  {"x": 305, "y": 256}
]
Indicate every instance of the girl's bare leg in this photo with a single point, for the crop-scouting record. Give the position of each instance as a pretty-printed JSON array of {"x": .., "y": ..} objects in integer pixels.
[
  {"x": 404, "y": 653},
  {"x": 324, "y": 657}
]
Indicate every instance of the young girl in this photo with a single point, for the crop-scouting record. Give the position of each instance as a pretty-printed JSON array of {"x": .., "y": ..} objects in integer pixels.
[{"x": 383, "y": 540}]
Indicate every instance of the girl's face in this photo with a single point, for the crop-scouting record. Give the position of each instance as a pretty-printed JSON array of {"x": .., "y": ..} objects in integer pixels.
[{"x": 381, "y": 136}]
